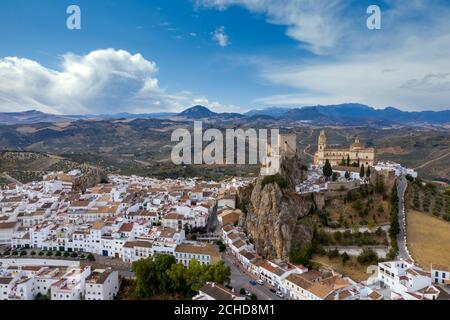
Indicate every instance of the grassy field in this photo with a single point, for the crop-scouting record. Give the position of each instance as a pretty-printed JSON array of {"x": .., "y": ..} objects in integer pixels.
[
  {"x": 428, "y": 239},
  {"x": 351, "y": 268}
]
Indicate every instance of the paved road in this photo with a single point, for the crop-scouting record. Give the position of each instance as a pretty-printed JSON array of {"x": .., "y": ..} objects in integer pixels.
[
  {"x": 240, "y": 279},
  {"x": 401, "y": 188}
]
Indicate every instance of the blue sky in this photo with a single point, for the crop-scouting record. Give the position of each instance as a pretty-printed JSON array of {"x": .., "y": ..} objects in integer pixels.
[{"x": 231, "y": 55}]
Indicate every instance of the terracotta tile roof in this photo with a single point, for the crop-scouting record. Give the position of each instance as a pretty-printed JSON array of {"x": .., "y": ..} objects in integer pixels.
[
  {"x": 299, "y": 281},
  {"x": 440, "y": 267},
  {"x": 218, "y": 292},
  {"x": 126, "y": 227},
  {"x": 139, "y": 244},
  {"x": 321, "y": 290},
  {"x": 267, "y": 266},
  {"x": 239, "y": 244},
  {"x": 6, "y": 280},
  {"x": 206, "y": 249},
  {"x": 375, "y": 296}
]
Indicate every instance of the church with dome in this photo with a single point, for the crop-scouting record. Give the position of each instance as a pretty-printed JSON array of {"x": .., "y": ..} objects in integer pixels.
[{"x": 357, "y": 153}]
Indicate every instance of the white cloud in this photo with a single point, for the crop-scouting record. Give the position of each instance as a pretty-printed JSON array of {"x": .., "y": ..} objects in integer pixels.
[
  {"x": 221, "y": 37},
  {"x": 405, "y": 64},
  {"x": 417, "y": 79},
  {"x": 103, "y": 81},
  {"x": 314, "y": 23}
]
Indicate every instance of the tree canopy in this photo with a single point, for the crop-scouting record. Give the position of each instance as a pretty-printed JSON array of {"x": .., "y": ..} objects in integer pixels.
[
  {"x": 327, "y": 170},
  {"x": 162, "y": 275}
]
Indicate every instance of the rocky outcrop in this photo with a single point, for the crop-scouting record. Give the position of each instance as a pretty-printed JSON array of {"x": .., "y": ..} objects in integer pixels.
[
  {"x": 274, "y": 217},
  {"x": 91, "y": 176}
]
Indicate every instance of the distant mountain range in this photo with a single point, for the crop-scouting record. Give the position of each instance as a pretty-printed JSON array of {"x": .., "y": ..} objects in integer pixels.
[{"x": 343, "y": 114}]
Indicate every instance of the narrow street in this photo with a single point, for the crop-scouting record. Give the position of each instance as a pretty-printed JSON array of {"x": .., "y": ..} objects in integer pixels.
[{"x": 241, "y": 279}]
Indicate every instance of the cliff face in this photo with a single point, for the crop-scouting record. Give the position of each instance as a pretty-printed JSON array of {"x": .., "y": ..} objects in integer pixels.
[
  {"x": 91, "y": 177},
  {"x": 273, "y": 217}
]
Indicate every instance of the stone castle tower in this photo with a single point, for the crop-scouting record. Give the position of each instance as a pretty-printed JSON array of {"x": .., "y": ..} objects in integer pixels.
[{"x": 287, "y": 149}]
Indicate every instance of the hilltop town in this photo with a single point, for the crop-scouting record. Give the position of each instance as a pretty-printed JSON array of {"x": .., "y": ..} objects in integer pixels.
[{"x": 62, "y": 243}]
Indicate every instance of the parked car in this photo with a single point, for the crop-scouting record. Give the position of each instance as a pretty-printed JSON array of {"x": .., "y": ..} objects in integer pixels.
[
  {"x": 253, "y": 282},
  {"x": 273, "y": 290},
  {"x": 260, "y": 282},
  {"x": 280, "y": 294}
]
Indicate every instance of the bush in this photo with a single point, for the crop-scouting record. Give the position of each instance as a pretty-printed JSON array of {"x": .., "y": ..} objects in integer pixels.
[
  {"x": 243, "y": 291},
  {"x": 333, "y": 253},
  {"x": 41, "y": 253},
  {"x": 357, "y": 205},
  {"x": 335, "y": 176},
  {"x": 15, "y": 253},
  {"x": 368, "y": 256},
  {"x": 58, "y": 254},
  {"x": 23, "y": 253},
  {"x": 74, "y": 255},
  {"x": 49, "y": 254},
  {"x": 91, "y": 257},
  {"x": 66, "y": 254},
  {"x": 253, "y": 297},
  {"x": 33, "y": 253},
  {"x": 345, "y": 257},
  {"x": 282, "y": 182}
]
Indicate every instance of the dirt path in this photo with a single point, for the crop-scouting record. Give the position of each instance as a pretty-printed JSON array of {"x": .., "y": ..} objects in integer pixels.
[
  {"x": 431, "y": 161},
  {"x": 306, "y": 152},
  {"x": 9, "y": 178}
]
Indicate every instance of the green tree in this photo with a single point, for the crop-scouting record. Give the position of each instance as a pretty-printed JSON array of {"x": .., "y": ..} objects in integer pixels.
[
  {"x": 348, "y": 160},
  {"x": 195, "y": 275},
  {"x": 362, "y": 172},
  {"x": 177, "y": 276},
  {"x": 367, "y": 256},
  {"x": 243, "y": 291},
  {"x": 327, "y": 170},
  {"x": 368, "y": 172},
  {"x": 301, "y": 254},
  {"x": 218, "y": 273},
  {"x": 335, "y": 176},
  {"x": 253, "y": 297},
  {"x": 347, "y": 175},
  {"x": 151, "y": 275},
  {"x": 344, "y": 257}
]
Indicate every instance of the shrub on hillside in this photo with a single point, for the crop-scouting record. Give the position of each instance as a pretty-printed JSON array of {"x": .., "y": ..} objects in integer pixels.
[{"x": 282, "y": 182}]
